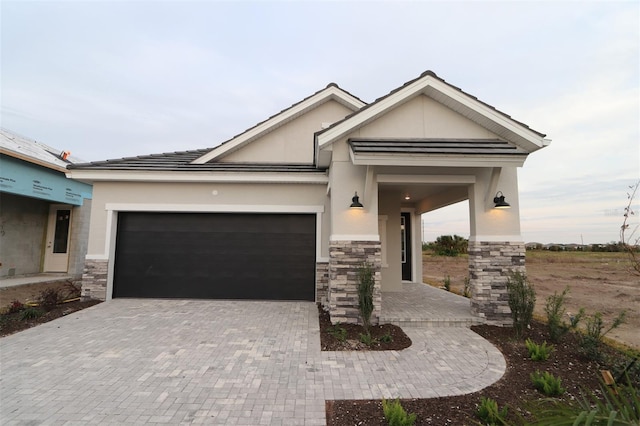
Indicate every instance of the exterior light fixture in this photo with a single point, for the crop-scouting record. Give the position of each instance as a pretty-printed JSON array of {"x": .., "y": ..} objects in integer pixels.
[
  {"x": 407, "y": 197},
  {"x": 500, "y": 202},
  {"x": 355, "y": 202}
]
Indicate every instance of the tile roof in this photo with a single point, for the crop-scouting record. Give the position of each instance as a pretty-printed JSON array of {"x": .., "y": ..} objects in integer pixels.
[{"x": 181, "y": 161}]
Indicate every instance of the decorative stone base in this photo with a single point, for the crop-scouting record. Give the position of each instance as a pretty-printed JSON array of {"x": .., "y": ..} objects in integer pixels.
[
  {"x": 94, "y": 280},
  {"x": 322, "y": 283},
  {"x": 490, "y": 264},
  {"x": 345, "y": 259}
]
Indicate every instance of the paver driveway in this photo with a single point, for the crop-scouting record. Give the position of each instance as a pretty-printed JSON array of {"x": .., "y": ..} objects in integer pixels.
[{"x": 217, "y": 362}]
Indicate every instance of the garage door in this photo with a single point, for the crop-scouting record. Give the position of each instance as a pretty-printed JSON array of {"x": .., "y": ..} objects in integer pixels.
[{"x": 215, "y": 256}]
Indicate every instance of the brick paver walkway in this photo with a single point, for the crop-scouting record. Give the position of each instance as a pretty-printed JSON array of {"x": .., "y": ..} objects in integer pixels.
[{"x": 217, "y": 362}]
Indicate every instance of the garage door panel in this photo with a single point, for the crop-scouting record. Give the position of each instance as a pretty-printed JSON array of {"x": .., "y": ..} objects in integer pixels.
[{"x": 232, "y": 256}]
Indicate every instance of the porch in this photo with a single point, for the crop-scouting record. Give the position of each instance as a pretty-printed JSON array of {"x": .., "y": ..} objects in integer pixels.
[{"x": 421, "y": 305}]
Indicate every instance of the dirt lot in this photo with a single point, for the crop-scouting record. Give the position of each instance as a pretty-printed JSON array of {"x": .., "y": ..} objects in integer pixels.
[{"x": 597, "y": 281}]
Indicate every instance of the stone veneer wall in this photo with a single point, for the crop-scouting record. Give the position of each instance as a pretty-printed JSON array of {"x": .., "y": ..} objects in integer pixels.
[
  {"x": 345, "y": 258},
  {"x": 490, "y": 264},
  {"x": 322, "y": 282},
  {"x": 94, "y": 279}
]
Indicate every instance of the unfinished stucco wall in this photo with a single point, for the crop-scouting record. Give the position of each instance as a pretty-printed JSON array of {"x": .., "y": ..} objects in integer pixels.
[
  {"x": 23, "y": 223},
  {"x": 78, "y": 238}
]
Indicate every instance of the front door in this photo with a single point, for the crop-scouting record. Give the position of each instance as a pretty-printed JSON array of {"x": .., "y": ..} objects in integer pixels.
[
  {"x": 405, "y": 245},
  {"x": 56, "y": 255}
]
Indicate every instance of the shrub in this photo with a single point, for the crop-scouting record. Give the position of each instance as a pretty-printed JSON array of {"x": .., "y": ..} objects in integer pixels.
[
  {"x": 619, "y": 405},
  {"x": 591, "y": 340},
  {"x": 338, "y": 332},
  {"x": 15, "y": 306},
  {"x": 447, "y": 283},
  {"x": 367, "y": 339},
  {"x": 538, "y": 352},
  {"x": 547, "y": 383},
  {"x": 49, "y": 298},
  {"x": 386, "y": 338},
  {"x": 450, "y": 245},
  {"x": 366, "y": 283},
  {"x": 522, "y": 299},
  {"x": 489, "y": 413},
  {"x": 396, "y": 414},
  {"x": 31, "y": 312},
  {"x": 467, "y": 288}
]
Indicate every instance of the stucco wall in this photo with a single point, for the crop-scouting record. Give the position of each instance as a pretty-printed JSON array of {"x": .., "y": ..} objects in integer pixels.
[
  {"x": 23, "y": 223},
  {"x": 204, "y": 196},
  {"x": 389, "y": 206},
  {"x": 78, "y": 240},
  {"x": 422, "y": 117},
  {"x": 292, "y": 142}
]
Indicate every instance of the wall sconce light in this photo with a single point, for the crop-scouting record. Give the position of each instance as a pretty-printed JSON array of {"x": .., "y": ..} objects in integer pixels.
[
  {"x": 355, "y": 202},
  {"x": 500, "y": 202}
]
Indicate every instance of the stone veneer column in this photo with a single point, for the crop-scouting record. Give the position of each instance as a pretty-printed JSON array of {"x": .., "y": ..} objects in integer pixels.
[
  {"x": 94, "y": 279},
  {"x": 490, "y": 264},
  {"x": 345, "y": 259},
  {"x": 322, "y": 282}
]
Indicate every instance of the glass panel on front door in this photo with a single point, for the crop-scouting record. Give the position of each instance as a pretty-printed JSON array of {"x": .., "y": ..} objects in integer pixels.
[
  {"x": 403, "y": 240},
  {"x": 60, "y": 240}
]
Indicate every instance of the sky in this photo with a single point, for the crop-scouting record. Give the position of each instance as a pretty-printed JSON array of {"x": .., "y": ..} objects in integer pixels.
[{"x": 124, "y": 78}]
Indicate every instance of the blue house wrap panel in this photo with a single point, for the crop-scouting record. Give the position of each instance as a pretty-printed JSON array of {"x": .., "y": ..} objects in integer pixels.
[{"x": 22, "y": 178}]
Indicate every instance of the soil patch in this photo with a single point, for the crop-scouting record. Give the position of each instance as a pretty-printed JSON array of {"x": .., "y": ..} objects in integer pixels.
[
  {"x": 12, "y": 323},
  {"x": 514, "y": 390},
  {"x": 587, "y": 274},
  {"x": 346, "y": 337},
  {"x": 30, "y": 292}
]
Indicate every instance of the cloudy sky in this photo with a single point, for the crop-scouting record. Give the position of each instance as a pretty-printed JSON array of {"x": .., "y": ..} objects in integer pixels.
[{"x": 115, "y": 79}]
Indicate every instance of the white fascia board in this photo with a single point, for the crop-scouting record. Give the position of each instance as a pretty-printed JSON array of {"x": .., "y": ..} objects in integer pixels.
[
  {"x": 437, "y": 161},
  {"x": 329, "y": 93},
  {"x": 150, "y": 176},
  {"x": 428, "y": 179},
  {"x": 418, "y": 87},
  {"x": 212, "y": 208}
]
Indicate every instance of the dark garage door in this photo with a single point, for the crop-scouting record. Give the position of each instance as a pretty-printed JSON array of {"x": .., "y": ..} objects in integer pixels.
[{"x": 215, "y": 256}]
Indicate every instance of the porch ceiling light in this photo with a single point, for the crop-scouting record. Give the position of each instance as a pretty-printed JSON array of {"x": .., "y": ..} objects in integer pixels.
[
  {"x": 500, "y": 202},
  {"x": 355, "y": 202}
]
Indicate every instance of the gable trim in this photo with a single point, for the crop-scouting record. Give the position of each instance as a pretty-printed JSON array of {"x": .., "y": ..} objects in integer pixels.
[
  {"x": 331, "y": 92},
  {"x": 451, "y": 97}
]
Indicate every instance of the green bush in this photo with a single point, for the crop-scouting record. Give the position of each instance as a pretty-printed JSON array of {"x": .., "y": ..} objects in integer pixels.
[
  {"x": 446, "y": 283},
  {"x": 618, "y": 405},
  {"x": 522, "y": 299},
  {"x": 538, "y": 352},
  {"x": 547, "y": 383},
  {"x": 489, "y": 413},
  {"x": 386, "y": 338},
  {"x": 591, "y": 340},
  {"x": 396, "y": 414},
  {"x": 366, "y": 283},
  {"x": 31, "y": 312},
  {"x": 367, "y": 339},
  {"x": 450, "y": 245},
  {"x": 340, "y": 333}
]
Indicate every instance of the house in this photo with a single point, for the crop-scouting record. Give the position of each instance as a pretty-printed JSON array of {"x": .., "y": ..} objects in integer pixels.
[
  {"x": 44, "y": 216},
  {"x": 292, "y": 207}
]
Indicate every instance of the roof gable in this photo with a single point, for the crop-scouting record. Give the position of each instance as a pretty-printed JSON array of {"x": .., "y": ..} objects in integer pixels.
[
  {"x": 430, "y": 85},
  {"x": 331, "y": 92}
]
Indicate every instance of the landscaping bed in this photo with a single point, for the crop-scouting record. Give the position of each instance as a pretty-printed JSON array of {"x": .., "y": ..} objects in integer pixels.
[{"x": 514, "y": 389}]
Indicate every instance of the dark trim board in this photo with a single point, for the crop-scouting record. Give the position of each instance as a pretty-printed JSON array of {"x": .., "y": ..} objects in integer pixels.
[{"x": 215, "y": 256}]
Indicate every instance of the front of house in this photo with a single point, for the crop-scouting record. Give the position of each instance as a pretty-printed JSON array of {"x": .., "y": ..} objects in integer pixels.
[{"x": 274, "y": 213}]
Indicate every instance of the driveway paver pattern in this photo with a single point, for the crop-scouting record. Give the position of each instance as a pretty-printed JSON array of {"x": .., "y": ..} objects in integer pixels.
[{"x": 132, "y": 361}]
